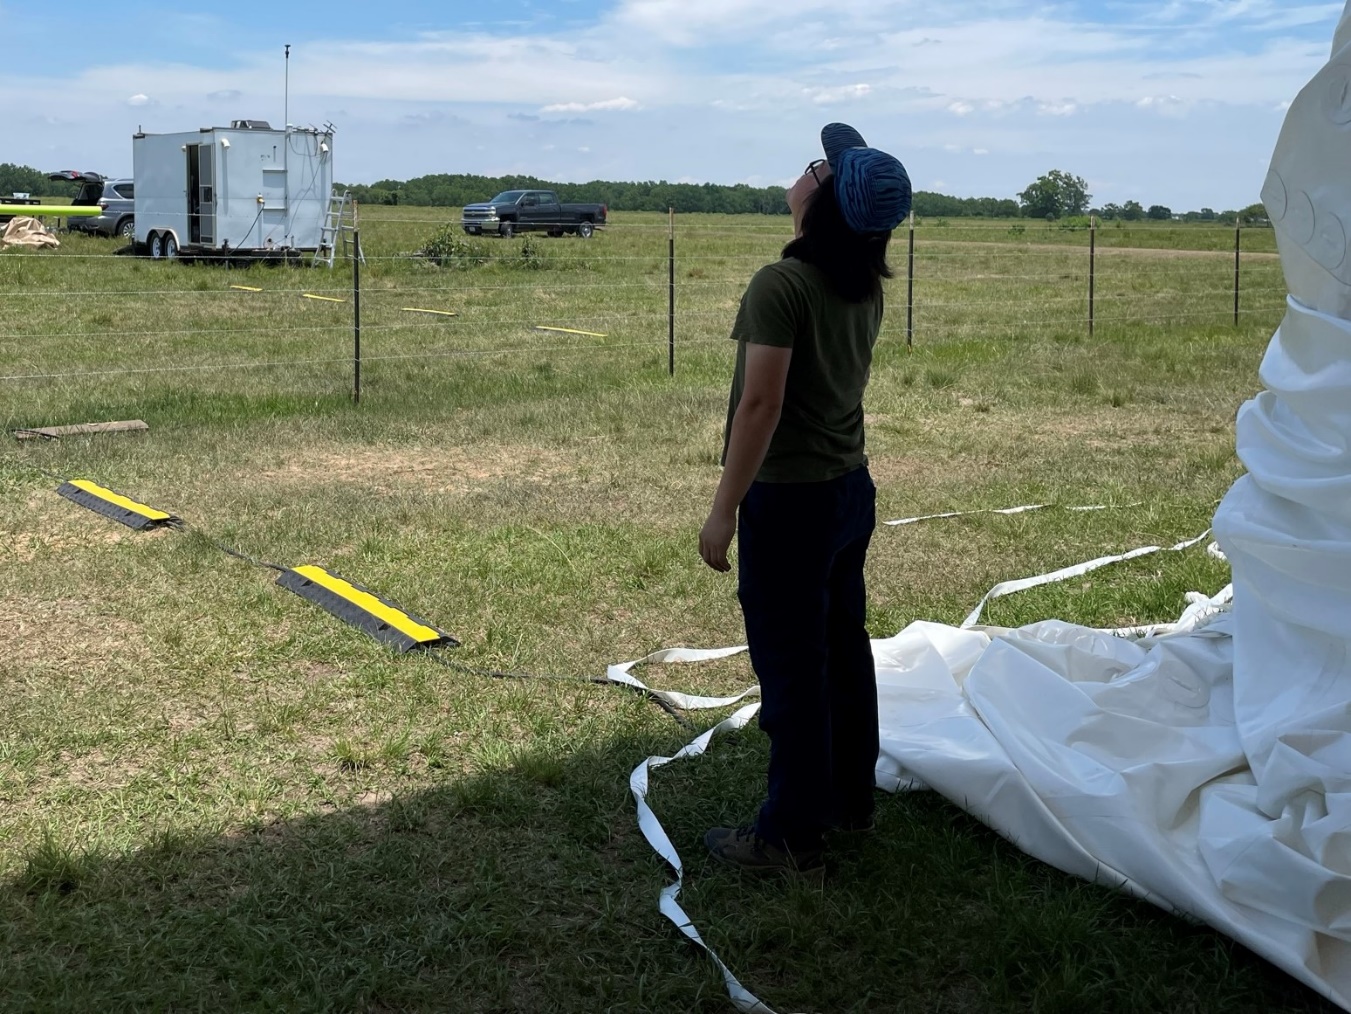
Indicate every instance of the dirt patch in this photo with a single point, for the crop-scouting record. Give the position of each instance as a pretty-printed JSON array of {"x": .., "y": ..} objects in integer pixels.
[
  {"x": 63, "y": 631},
  {"x": 444, "y": 469},
  {"x": 1112, "y": 429},
  {"x": 899, "y": 469},
  {"x": 98, "y": 772},
  {"x": 319, "y": 672}
]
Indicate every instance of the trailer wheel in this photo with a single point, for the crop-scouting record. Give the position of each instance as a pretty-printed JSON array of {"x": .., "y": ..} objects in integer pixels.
[
  {"x": 585, "y": 229},
  {"x": 156, "y": 244},
  {"x": 170, "y": 246},
  {"x": 506, "y": 230}
]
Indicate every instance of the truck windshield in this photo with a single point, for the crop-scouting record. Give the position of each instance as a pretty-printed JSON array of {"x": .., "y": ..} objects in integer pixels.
[{"x": 507, "y": 197}]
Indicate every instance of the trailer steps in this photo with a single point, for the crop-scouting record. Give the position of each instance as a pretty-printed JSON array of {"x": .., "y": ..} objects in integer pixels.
[{"x": 339, "y": 229}]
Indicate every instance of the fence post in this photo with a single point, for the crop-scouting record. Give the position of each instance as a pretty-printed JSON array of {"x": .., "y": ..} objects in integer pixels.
[
  {"x": 671, "y": 309},
  {"x": 356, "y": 314},
  {"x": 1238, "y": 255},
  {"x": 1092, "y": 268},
  {"x": 910, "y": 288}
]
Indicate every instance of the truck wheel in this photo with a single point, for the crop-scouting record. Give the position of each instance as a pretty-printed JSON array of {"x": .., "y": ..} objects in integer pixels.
[
  {"x": 506, "y": 230},
  {"x": 126, "y": 228},
  {"x": 585, "y": 229}
]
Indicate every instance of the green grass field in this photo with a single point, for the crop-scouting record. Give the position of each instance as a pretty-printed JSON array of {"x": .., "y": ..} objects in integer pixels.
[{"x": 213, "y": 796}]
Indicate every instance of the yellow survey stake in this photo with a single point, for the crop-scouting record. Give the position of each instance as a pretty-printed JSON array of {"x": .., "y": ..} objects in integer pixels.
[{"x": 568, "y": 330}]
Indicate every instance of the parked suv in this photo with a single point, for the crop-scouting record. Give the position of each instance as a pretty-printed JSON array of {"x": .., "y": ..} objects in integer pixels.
[{"x": 115, "y": 197}]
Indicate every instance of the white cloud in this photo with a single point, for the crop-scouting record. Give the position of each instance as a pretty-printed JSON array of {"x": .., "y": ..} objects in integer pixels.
[
  {"x": 826, "y": 96},
  {"x": 692, "y": 22},
  {"x": 960, "y": 108},
  {"x": 620, "y": 103},
  {"x": 1057, "y": 108},
  {"x": 980, "y": 151},
  {"x": 138, "y": 100},
  {"x": 1165, "y": 105}
]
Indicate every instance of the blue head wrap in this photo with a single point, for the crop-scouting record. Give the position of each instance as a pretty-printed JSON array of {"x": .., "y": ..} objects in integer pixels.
[{"x": 873, "y": 187}]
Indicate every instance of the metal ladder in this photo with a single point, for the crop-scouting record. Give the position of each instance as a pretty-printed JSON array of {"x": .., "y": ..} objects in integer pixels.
[{"x": 338, "y": 230}]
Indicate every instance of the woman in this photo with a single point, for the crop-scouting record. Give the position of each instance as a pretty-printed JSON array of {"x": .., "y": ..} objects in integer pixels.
[{"x": 795, "y": 488}]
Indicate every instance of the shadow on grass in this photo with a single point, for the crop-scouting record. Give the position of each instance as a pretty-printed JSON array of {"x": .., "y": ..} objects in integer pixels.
[{"x": 528, "y": 888}]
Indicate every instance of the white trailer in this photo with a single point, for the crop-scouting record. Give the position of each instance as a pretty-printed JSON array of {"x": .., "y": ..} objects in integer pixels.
[{"x": 245, "y": 190}]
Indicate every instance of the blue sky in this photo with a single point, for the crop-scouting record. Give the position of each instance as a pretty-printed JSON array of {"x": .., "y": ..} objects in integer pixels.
[{"x": 1176, "y": 102}]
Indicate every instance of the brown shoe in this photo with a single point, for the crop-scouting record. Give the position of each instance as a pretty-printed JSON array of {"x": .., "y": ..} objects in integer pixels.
[
  {"x": 856, "y": 827},
  {"x": 743, "y": 848}
]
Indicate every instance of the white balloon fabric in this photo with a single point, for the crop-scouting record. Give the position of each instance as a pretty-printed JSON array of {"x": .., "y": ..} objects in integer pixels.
[
  {"x": 1207, "y": 768},
  {"x": 1205, "y": 765}
]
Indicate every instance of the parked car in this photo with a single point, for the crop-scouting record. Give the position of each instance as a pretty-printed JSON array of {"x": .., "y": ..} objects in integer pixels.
[
  {"x": 117, "y": 198},
  {"x": 514, "y": 211}
]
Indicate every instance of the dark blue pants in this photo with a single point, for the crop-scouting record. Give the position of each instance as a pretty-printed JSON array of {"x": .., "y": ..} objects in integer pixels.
[{"x": 800, "y": 573}]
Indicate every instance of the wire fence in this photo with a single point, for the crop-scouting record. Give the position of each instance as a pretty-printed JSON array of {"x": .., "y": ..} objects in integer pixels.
[{"x": 645, "y": 287}]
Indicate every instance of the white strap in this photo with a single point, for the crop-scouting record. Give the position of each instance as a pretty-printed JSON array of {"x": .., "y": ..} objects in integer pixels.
[
  {"x": 1009, "y": 587},
  {"x": 688, "y": 702},
  {"x": 1004, "y": 510},
  {"x": 656, "y": 836}
]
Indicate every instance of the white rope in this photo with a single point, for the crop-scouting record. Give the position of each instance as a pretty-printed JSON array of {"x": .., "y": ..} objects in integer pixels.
[{"x": 656, "y": 836}]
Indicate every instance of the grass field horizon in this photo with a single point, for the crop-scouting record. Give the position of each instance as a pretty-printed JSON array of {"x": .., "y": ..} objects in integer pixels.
[{"x": 215, "y": 796}]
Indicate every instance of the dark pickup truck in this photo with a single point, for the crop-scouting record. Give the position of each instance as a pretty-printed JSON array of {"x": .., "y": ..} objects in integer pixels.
[{"x": 514, "y": 211}]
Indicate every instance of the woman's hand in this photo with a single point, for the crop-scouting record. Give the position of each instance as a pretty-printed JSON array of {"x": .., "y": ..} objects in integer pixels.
[{"x": 716, "y": 537}]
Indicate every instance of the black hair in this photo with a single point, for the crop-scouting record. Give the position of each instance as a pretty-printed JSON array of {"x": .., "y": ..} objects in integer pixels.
[{"x": 853, "y": 262}]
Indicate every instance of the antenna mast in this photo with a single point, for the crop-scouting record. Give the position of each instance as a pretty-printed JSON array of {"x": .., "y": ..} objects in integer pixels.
[{"x": 286, "y": 99}]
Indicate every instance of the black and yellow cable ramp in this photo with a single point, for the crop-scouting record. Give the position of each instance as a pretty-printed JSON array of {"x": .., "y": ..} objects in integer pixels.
[
  {"x": 363, "y": 609},
  {"x": 121, "y": 509}
]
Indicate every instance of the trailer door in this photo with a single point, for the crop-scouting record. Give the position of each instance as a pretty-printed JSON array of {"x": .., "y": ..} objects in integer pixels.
[{"x": 201, "y": 192}]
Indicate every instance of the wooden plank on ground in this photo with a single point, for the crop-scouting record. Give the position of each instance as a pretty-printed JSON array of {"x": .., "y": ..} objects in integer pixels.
[{"x": 57, "y": 432}]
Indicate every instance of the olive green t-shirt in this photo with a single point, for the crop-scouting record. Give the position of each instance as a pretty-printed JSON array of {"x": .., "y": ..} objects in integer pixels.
[{"x": 789, "y": 304}]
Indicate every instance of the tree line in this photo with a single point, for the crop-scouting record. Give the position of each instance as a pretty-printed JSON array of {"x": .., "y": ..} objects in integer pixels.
[
  {"x": 1058, "y": 194},
  {"x": 1054, "y": 195},
  {"x": 456, "y": 190},
  {"x": 22, "y": 179}
]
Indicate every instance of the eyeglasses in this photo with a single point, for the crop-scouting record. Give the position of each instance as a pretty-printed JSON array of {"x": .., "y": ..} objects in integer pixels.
[{"x": 812, "y": 166}]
